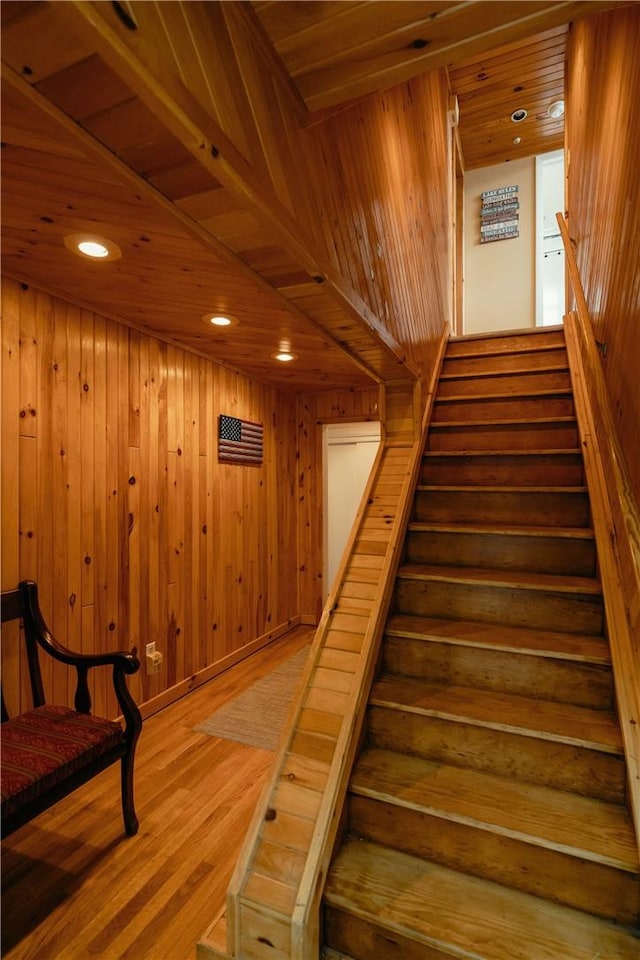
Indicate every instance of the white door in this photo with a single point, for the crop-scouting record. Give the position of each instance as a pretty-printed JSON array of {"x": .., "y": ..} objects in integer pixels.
[{"x": 349, "y": 452}]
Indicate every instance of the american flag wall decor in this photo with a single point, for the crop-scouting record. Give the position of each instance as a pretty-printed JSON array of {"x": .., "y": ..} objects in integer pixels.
[{"x": 239, "y": 441}]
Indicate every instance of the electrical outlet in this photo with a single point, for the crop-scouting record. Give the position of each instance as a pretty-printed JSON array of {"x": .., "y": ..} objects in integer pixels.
[{"x": 153, "y": 659}]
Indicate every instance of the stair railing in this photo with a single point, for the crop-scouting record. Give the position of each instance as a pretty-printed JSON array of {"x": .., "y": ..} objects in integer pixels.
[{"x": 615, "y": 519}]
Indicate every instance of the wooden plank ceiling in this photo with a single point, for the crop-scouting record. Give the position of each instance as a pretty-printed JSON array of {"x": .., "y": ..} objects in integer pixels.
[
  {"x": 338, "y": 50},
  {"x": 523, "y": 76},
  {"x": 501, "y": 57},
  {"x": 93, "y": 140},
  {"x": 166, "y": 280}
]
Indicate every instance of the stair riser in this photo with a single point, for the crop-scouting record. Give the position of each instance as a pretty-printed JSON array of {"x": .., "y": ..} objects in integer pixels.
[
  {"x": 523, "y": 342},
  {"x": 504, "y": 385},
  {"x": 505, "y": 408},
  {"x": 546, "y": 436},
  {"x": 553, "y": 470},
  {"x": 480, "y": 366},
  {"x": 564, "y": 556},
  {"x": 582, "y": 684},
  {"x": 589, "y": 773},
  {"x": 536, "y": 610},
  {"x": 526, "y": 508},
  {"x": 362, "y": 941},
  {"x": 596, "y": 888}
]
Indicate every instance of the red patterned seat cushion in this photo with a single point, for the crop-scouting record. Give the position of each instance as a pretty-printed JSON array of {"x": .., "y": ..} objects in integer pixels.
[{"x": 45, "y": 746}]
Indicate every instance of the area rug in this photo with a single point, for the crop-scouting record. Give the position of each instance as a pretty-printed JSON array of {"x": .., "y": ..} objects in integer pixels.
[{"x": 256, "y": 716}]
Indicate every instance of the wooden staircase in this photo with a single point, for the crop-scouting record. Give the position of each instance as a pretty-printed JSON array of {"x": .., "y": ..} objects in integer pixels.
[{"x": 486, "y": 815}]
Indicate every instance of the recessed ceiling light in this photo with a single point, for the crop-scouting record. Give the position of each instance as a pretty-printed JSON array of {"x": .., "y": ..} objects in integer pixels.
[
  {"x": 556, "y": 109},
  {"x": 517, "y": 140},
  {"x": 219, "y": 320},
  {"x": 284, "y": 356},
  {"x": 519, "y": 115},
  {"x": 91, "y": 247}
]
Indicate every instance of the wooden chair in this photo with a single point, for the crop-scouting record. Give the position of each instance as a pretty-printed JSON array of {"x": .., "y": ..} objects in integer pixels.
[{"x": 50, "y": 750}]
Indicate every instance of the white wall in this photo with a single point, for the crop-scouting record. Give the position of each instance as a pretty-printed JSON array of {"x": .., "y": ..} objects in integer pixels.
[{"x": 499, "y": 277}]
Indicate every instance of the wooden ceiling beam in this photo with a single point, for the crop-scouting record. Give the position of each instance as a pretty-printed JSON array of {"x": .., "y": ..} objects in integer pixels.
[{"x": 132, "y": 55}]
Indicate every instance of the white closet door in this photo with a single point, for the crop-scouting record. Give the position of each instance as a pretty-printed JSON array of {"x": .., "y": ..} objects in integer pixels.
[{"x": 348, "y": 461}]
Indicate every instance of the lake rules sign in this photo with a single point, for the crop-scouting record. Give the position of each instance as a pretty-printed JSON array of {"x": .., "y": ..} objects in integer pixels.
[{"x": 499, "y": 214}]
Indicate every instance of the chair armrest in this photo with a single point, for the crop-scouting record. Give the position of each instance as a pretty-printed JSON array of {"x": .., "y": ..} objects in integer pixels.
[
  {"x": 123, "y": 663},
  {"x": 120, "y": 659}
]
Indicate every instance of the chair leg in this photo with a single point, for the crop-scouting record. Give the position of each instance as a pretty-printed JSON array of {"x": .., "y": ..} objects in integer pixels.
[{"x": 128, "y": 809}]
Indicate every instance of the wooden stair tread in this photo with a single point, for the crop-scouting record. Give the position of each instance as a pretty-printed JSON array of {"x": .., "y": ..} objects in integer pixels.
[
  {"x": 564, "y": 646},
  {"x": 555, "y": 452},
  {"x": 524, "y": 394},
  {"x": 480, "y": 488},
  {"x": 579, "y": 826},
  {"x": 498, "y": 350},
  {"x": 529, "y": 422},
  {"x": 488, "y": 335},
  {"x": 463, "y": 916},
  {"x": 503, "y": 342},
  {"x": 496, "y": 373},
  {"x": 501, "y": 578},
  {"x": 581, "y": 533},
  {"x": 544, "y": 719}
]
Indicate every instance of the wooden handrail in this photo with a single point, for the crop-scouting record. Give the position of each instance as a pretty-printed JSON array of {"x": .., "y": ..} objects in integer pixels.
[{"x": 615, "y": 519}]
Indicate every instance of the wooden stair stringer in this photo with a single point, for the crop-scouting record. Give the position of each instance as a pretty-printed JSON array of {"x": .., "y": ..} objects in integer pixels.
[{"x": 275, "y": 893}]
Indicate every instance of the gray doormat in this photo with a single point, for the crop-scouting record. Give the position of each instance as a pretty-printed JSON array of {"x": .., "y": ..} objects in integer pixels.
[{"x": 256, "y": 716}]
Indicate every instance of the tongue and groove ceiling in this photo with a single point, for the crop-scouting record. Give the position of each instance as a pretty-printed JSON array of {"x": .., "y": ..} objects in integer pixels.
[{"x": 91, "y": 143}]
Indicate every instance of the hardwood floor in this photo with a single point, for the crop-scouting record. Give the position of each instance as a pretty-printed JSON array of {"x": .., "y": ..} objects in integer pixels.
[{"x": 74, "y": 886}]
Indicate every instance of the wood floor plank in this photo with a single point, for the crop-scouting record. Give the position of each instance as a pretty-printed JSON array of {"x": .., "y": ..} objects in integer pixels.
[{"x": 74, "y": 886}]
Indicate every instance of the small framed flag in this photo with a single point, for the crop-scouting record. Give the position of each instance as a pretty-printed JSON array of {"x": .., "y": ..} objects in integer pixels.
[{"x": 239, "y": 441}]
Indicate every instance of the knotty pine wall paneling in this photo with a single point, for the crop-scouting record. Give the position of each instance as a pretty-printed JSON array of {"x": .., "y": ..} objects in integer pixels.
[
  {"x": 603, "y": 145},
  {"x": 113, "y": 499},
  {"x": 381, "y": 170},
  {"x": 314, "y": 410}
]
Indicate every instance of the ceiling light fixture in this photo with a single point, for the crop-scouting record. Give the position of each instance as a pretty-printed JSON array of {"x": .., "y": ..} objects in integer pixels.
[
  {"x": 519, "y": 115},
  {"x": 219, "y": 320},
  {"x": 92, "y": 247},
  {"x": 284, "y": 356},
  {"x": 556, "y": 109}
]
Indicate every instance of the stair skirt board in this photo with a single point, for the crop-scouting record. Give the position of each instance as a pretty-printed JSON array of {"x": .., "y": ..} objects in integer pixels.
[{"x": 486, "y": 813}]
